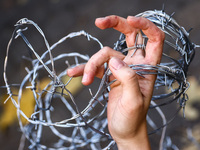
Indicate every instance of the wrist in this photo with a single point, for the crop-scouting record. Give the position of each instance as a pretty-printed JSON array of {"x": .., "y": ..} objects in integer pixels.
[
  {"x": 137, "y": 142},
  {"x": 134, "y": 145}
]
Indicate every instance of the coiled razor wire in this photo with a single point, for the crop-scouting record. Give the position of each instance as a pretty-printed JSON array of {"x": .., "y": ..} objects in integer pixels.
[{"x": 87, "y": 130}]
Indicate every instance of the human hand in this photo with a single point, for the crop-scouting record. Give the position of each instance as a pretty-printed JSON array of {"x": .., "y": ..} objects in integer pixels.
[{"x": 130, "y": 95}]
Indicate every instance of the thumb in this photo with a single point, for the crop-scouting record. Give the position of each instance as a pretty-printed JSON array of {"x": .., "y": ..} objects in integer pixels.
[{"x": 126, "y": 76}]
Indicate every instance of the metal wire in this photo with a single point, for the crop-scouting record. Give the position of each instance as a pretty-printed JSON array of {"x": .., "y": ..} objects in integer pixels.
[{"x": 85, "y": 126}]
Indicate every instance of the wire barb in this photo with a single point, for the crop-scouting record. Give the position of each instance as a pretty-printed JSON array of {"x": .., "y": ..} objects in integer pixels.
[{"x": 84, "y": 126}]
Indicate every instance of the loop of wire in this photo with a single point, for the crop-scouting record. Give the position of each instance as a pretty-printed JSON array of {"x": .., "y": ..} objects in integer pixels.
[{"x": 85, "y": 128}]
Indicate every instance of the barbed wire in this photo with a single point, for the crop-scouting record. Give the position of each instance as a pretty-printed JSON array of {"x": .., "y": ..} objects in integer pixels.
[{"x": 83, "y": 124}]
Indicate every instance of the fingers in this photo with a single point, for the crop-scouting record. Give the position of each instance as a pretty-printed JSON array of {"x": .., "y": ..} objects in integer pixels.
[
  {"x": 115, "y": 22},
  {"x": 130, "y": 27},
  {"x": 95, "y": 64},
  {"x": 125, "y": 75},
  {"x": 120, "y": 24},
  {"x": 137, "y": 50},
  {"x": 76, "y": 71},
  {"x": 148, "y": 27},
  {"x": 129, "y": 81},
  {"x": 155, "y": 38}
]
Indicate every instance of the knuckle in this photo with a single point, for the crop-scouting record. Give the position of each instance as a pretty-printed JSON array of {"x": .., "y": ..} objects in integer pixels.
[
  {"x": 160, "y": 35},
  {"x": 114, "y": 16},
  {"x": 130, "y": 75},
  {"x": 106, "y": 48},
  {"x": 105, "y": 51},
  {"x": 91, "y": 66}
]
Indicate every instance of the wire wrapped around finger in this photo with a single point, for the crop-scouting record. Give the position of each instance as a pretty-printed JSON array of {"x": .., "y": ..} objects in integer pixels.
[
  {"x": 83, "y": 124},
  {"x": 139, "y": 45}
]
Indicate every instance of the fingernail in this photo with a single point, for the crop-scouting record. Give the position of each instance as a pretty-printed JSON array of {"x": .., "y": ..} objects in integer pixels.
[
  {"x": 85, "y": 78},
  {"x": 116, "y": 63}
]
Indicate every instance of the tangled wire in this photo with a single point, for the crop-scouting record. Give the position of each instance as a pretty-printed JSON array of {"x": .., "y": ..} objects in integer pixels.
[{"x": 89, "y": 129}]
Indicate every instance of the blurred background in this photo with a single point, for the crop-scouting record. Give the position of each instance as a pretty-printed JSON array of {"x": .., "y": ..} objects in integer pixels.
[{"x": 58, "y": 18}]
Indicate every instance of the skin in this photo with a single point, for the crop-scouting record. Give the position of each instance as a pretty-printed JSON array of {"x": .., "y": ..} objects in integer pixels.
[{"x": 130, "y": 95}]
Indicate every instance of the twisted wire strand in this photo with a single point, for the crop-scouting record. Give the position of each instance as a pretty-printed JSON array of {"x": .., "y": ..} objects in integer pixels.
[{"x": 83, "y": 125}]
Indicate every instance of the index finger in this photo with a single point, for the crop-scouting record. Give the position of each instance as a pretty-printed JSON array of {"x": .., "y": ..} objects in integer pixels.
[
  {"x": 116, "y": 22},
  {"x": 120, "y": 24}
]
